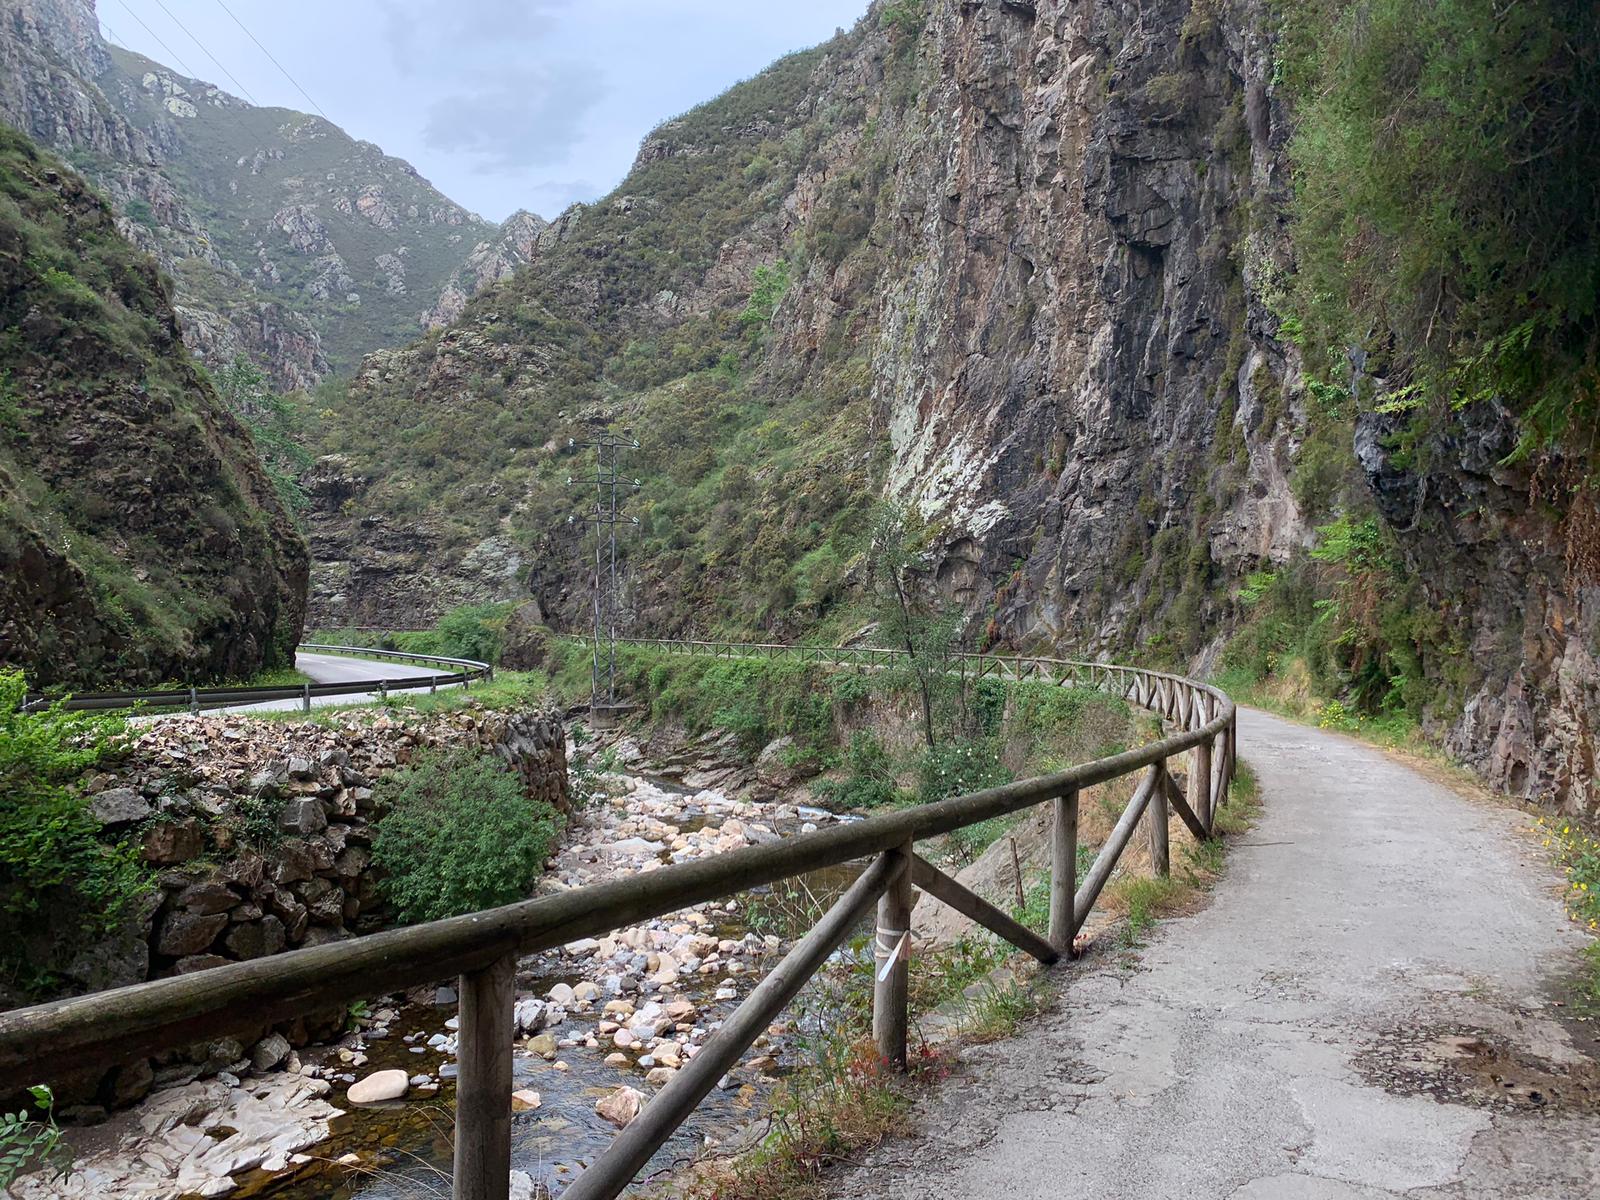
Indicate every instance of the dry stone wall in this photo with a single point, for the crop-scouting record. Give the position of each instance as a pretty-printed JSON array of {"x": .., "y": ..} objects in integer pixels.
[{"x": 260, "y": 832}]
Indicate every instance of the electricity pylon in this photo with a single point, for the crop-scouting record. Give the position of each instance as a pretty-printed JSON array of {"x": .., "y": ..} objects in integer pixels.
[{"x": 607, "y": 513}]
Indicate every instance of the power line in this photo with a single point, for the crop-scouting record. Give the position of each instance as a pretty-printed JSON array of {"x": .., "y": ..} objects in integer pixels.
[
  {"x": 206, "y": 52},
  {"x": 186, "y": 70},
  {"x": 276, "y": 63}
]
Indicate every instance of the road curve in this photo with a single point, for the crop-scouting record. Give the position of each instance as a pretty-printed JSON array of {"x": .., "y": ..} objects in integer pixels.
[
  {"x": 1294, "y": 1040},
  {"x": 338, "y": 668}
]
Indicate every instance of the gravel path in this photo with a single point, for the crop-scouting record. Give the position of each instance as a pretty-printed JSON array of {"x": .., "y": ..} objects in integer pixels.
[{"x": 1366, "y": 1010}]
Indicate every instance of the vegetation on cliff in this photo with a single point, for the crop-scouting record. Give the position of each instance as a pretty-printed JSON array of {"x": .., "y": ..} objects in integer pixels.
[
  {"x": 140, "y": 539},
  {"x": 1448, "y": 206},
  {"x": 1446, "y": 304}
]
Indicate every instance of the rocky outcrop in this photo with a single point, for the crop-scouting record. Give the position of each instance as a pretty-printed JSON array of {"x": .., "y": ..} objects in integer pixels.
[
  {"x": 516, "y": 245},
  {"x": 140, "y": 539}
]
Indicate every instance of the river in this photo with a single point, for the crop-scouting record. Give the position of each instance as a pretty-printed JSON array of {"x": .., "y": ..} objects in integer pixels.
[{"x": 680, "y": 975}]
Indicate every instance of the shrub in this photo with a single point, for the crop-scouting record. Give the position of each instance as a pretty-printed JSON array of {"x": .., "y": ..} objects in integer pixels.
[
  {"x": 871, "y": 781},
  {"x": 1448, "y": 201},
  {"x": 455, "y": 834},
  {"x": 52, "y": 859},
  {"x": 956, "y": 768}
]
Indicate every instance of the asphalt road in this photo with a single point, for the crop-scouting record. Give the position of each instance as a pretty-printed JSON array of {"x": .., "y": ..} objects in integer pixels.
[
  {"x": 336, "y": 668},
  {"x": 1367, "y": 1009}
]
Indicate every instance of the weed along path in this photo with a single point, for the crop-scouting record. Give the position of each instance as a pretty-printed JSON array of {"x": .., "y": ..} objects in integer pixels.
[{"x": 1370, "y": 1008}]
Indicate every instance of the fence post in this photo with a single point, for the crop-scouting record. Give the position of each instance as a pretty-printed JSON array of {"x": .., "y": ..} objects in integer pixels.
[
  {"x": 194, "y": 703},
  {"x": 1063, "y": 871},
  {"x": 1200, "y": 784},
  {"x": 383, "y": 689},
  {"x": 483, "y": 1087},
  {"x": 1160, "y": 849},
  {"x": 305, "y": 698},
  {"x": 891, "y": 954}
]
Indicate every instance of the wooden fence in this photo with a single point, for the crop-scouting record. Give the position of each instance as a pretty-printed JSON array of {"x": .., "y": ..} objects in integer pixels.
[{"x": 482, "y": 948}]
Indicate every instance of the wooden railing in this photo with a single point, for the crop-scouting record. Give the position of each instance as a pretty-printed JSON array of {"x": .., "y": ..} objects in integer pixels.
[
  {"x": 482, "y": 948},
  {"x": 466, "y": 671}
]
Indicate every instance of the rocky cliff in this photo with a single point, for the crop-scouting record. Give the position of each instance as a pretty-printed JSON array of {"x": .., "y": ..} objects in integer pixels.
[
  {"x": 1019, "y": 264},
  {"x": 314, "y": 248},
  {"x": 140, "y": 539}
]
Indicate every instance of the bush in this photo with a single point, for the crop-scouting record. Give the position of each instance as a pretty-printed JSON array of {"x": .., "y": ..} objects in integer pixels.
[
  {"x": 1448, "y": 200},
  {"x": 871, "y": 781},
  {"x": 956, "y": 768},
  {"x": 52, "y": 860},
  {"x": 455, "y": 834}
]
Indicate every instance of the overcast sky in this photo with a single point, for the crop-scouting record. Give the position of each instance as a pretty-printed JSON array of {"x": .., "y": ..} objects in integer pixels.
[{"x": 502, "y": 104}]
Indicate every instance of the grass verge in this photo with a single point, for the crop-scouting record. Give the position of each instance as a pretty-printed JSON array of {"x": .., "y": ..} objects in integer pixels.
[{"x": 1578, "y": 854}]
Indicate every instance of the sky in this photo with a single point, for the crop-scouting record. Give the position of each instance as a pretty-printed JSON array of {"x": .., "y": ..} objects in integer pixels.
[{"x": 501, "y": 104}]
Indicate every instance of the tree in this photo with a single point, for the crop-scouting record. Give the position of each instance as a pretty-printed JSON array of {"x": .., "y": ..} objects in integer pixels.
[{"x": 911, "y": 619}]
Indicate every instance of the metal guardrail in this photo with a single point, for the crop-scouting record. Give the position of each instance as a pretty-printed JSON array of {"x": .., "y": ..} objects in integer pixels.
[
  {"x": 482, "y": 948},
  {"x": 196, "y": 699}
]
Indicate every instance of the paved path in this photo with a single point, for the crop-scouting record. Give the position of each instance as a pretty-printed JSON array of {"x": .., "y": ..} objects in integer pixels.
[{"x": 1292, "y": 1042}]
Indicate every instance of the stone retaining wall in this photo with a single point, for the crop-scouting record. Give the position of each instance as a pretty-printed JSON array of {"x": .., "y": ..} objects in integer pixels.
[{"x": 261, "y": 834}]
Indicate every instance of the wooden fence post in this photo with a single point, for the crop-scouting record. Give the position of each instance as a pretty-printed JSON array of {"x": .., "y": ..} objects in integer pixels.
[
  {"x": 483, "y": 1089},
  {"x": 892, "y": 983},
  {"x": 1200, "y": 784},
  {"x": 1063, "y": 871},
  {"x": 1160, "y": 849}
]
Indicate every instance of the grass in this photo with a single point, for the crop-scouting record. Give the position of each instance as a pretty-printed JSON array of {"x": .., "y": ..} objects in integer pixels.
[
  {"x": 508, "y": 690},
  {"x": 821, "y": 1115},
  {"x": 1578, "y": 854},
  {"x": 1145, "y": 899},
  {"x": 997, "y": 1009}
]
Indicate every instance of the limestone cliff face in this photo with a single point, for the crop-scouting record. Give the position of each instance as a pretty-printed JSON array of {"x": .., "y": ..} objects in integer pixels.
[
  {"x": 140, "y": 540},
  {"x": 1035, "y": 255},
  {"x": 328, "y": 249}
]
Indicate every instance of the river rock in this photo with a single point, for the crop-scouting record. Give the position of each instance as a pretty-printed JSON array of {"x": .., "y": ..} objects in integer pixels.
[
  {"x": 269, "y": 1052},
  {"x": 563, "y": 995},
  {"x": 621, "y": 1106},
  {"x": 378, "y": 1087},
  {"x": 530, "y": 1015},
  {"x": 525, "y": 1100},
  {"x": 544, "y": 1045}
]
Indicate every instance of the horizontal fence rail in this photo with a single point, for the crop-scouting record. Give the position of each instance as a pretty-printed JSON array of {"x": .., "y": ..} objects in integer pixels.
[
  {"x": 482, "y": 948},
  {"x": 466, "y": 672}
]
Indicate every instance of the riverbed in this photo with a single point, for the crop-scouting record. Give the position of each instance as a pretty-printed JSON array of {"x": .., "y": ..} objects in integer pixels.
[{"x": 596, "y": 1017}]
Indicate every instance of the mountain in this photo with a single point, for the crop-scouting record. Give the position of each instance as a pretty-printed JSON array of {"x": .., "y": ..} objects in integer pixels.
[
  {"x": 1031, "y": 269},
  {"x": 287, "y": 240},
  {"x": 140, "y": 539}
]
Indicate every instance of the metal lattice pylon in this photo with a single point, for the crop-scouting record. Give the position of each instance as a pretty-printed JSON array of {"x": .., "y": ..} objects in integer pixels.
[{"x": 606, "y": 514}]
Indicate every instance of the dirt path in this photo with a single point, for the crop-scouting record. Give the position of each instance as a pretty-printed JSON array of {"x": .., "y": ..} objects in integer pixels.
[{"x": 1365, "y": 1011}]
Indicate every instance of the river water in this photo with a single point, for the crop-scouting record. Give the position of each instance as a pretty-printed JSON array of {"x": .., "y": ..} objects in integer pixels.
[{"x": 402, "y": 1150}]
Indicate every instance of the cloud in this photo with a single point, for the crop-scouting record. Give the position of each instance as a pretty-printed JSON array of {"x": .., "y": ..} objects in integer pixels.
[
  {"x": 529, "y": 117},
  {"x": 417, "y": 31}
]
